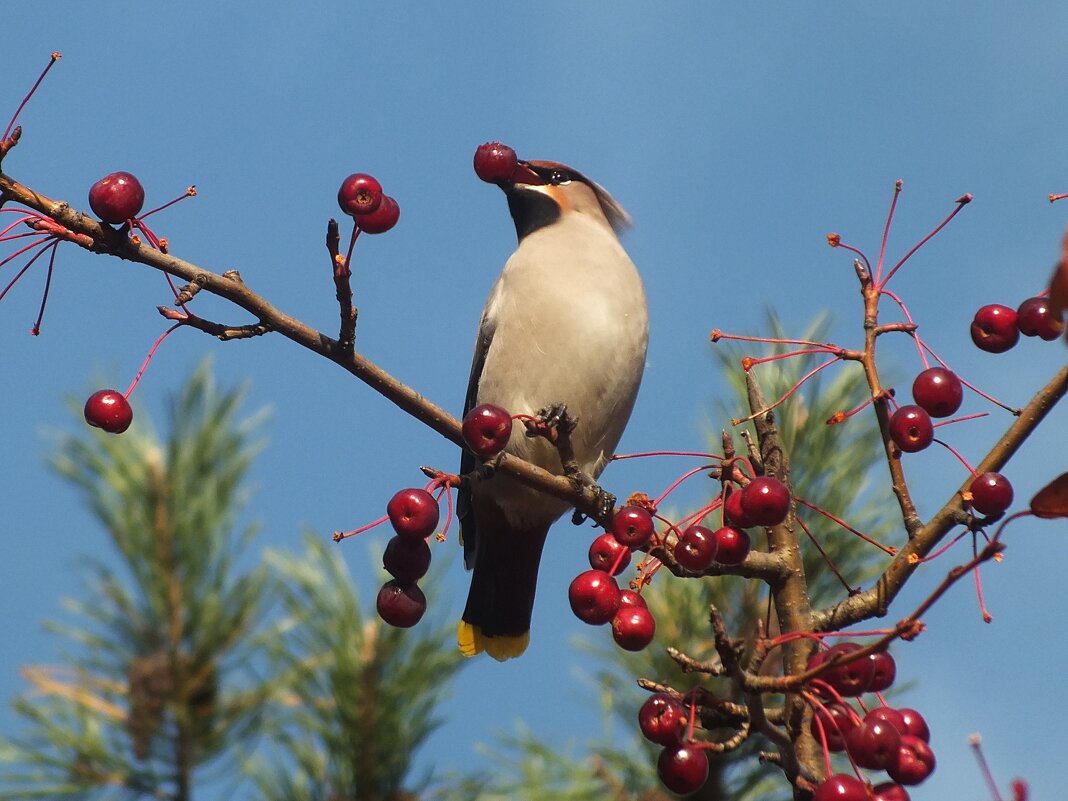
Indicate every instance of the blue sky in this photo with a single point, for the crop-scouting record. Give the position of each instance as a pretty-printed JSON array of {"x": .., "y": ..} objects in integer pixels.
[{"x": 737, "y": 137}]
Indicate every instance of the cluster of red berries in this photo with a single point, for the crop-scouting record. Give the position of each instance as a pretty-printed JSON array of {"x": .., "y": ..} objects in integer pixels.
[
  {"x": 682, "y": 766},
  {"x": 938, "y": 393},
  {"x": 596, "y": 597},
  {"x": 996, "y": 328},
  {"x": 361, "y": 197},
  {"x": 884, "y": 739},
  {"x": 414, "y": 516}
]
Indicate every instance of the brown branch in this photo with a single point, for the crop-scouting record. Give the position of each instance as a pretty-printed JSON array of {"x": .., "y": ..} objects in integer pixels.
[
  {"x": 876, "y": 601},
  {"x": 339, "y": 265},
  {"x": 229, "y": 286}
]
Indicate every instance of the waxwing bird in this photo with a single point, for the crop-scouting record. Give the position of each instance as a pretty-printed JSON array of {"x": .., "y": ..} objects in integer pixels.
[{"x": 565, "y": 323}]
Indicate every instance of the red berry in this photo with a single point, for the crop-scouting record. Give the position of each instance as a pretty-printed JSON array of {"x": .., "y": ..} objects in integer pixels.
[
  {"x": 359, "y": 194},
  {"x": 662, "y": 719},
  {"x": 915, "y": 761},
  {"x": 994, "y": 328},
  {"x": 911, "y": 429},
  {"x": 938, "y": 391},
  {"x": 594, "y": 597},
  {"x": 381, "y": 219},
  {"x": 632, "y": 526},
  {"x": 1033, "y": 319},
  {"x": 109, "y": 410},
  {"x": 852, "y": 678},
  {"x": 696, "y": 548},
  {"x": 400, "y": 605},
  {"x": 407, "y": 560},
  {"x": 884, "y": 673},
  {"x": 991, "y": 493},
  {"x": 116, "y": 198},
  {"x": 413, "y": 513},
  {"x": 732, "y": 508},
  {"x": 631, "y": 598},
  {"x": 837, "y": 721},
  {"x": 889, "y": 791},
  {"x": 890, "y": 715},
  {"x": 495, "y": 162},
  {"x": 915, "y": 724},
  {"x": 605, "y": 551},
  {"x": 486, "y": 430},
  {"x": 874, "y": 744},
  {"x": 633, "y": 627},
  {"x": 732, "y": 545},
  {"x": 765, "y": 501},
  {"x": 841, "y": 787},
  {"x": 682, "y": 768}
]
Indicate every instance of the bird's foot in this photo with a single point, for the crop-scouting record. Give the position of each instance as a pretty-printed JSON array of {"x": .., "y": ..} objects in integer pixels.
[
  {"x": 552, "y": 423},
  {"x": 604, "y": 502}
]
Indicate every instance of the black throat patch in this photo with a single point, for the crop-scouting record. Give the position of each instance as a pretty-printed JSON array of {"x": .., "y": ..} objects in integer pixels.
[{"x": 530, "y": 210}]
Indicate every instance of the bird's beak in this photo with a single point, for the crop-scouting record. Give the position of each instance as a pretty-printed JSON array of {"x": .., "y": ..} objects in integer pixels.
[{"x": 524, "y": 174}]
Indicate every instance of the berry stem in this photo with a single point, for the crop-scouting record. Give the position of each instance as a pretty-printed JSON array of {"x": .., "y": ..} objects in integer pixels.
[
  {"x": 56, "y": 56},
  {"x": 789, "y": 392},
  {"x": 976, "y": 742},
  {"x": 43, "y": 245},
  {"x": 190, "y": 192},
  {"x": 886, "y": 231},
  {"x": 961, "y": 203},
  {"x": 148, "y": 358},
  {"x": 339, "y": 536},
  {"x": 36, "y": 330},
  {"x": 823, "y": 553}
]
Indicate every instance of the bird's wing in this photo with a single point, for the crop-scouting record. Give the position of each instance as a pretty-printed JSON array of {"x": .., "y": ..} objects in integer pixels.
[{"x": 464, "y": 510}]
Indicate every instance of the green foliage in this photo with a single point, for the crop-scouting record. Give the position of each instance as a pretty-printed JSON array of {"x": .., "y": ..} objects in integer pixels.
[
  {"x": 361, "y": 696},
  {"x": 157, "y": 684}
]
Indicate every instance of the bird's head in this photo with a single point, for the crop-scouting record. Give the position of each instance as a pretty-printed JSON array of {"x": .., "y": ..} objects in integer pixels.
[{"x": 541, "y": 192}]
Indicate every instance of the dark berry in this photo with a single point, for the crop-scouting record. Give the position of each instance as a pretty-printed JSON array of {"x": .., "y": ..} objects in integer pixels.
[
  {"x": 938, "y": 391},
  {"x": 633, "y": 627},
  {"x": 495, "y": 162},
  {"x": 594, "y": 597},
  {"x": 874, "y": 744},
  {"x": 662, "y": 719},
  {"x": 915, "y": 761},
  {"x": 400, "y": 605},
  {"x": 682, "y": 768},
  {"x": 841, "y": 787},
  {"x": 359, "y": 194},
  {"x": 632, "y": 526},
  {"x": 381, "y": 219},
  {"x": 991, "y": 493},
  {"x": 407, "y": 560},
  {"x": 413, "y": 513},
  {"x": 696, "y": 548},
  {"x": 1033, "y": 318},
  {"x": 486, "y": 430},
  {"x": 890, "y": 715},
  {"x": 915, "y": 724},
  {"x": 631, "y": 598},
  {"x": 765, "y": 501},
  {"x": 837, "y": 720},
  {"x": 606, "y": 551},
  {"x": 732, "y": 545},
  {"x": 885, "y": 671},
  {"x": 849, "y": 679},
  {"x": 732, "y": 508},
  {"x": 889, "y": 791},
  {"x": 994, "y": 328},
  {"x": 911, "y": 429},
  {"x": 116, "y": 198},
  {"x": 109, "y": 410}
]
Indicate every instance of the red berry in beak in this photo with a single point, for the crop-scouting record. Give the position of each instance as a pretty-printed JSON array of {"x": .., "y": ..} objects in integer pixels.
[{"x": 495, "y": 162}]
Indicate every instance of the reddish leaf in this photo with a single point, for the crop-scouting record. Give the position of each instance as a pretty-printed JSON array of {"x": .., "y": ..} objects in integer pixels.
[
  {"x": 1058, "y": 286},
  {"x": 1052, "y": 500}
]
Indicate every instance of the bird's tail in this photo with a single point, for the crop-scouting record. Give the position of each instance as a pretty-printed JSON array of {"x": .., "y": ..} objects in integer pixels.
[{"x": 497, "y": 616}]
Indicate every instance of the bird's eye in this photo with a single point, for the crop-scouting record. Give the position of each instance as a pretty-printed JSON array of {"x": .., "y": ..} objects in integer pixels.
[{"x": 559, "y": 177}]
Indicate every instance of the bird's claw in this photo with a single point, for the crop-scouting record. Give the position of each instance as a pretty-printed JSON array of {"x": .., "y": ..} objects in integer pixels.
[{"x": 550, "y": 423}]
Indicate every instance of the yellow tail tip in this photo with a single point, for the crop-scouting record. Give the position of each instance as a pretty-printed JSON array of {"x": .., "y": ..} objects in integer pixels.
[{"x": 472, "y": 641}]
